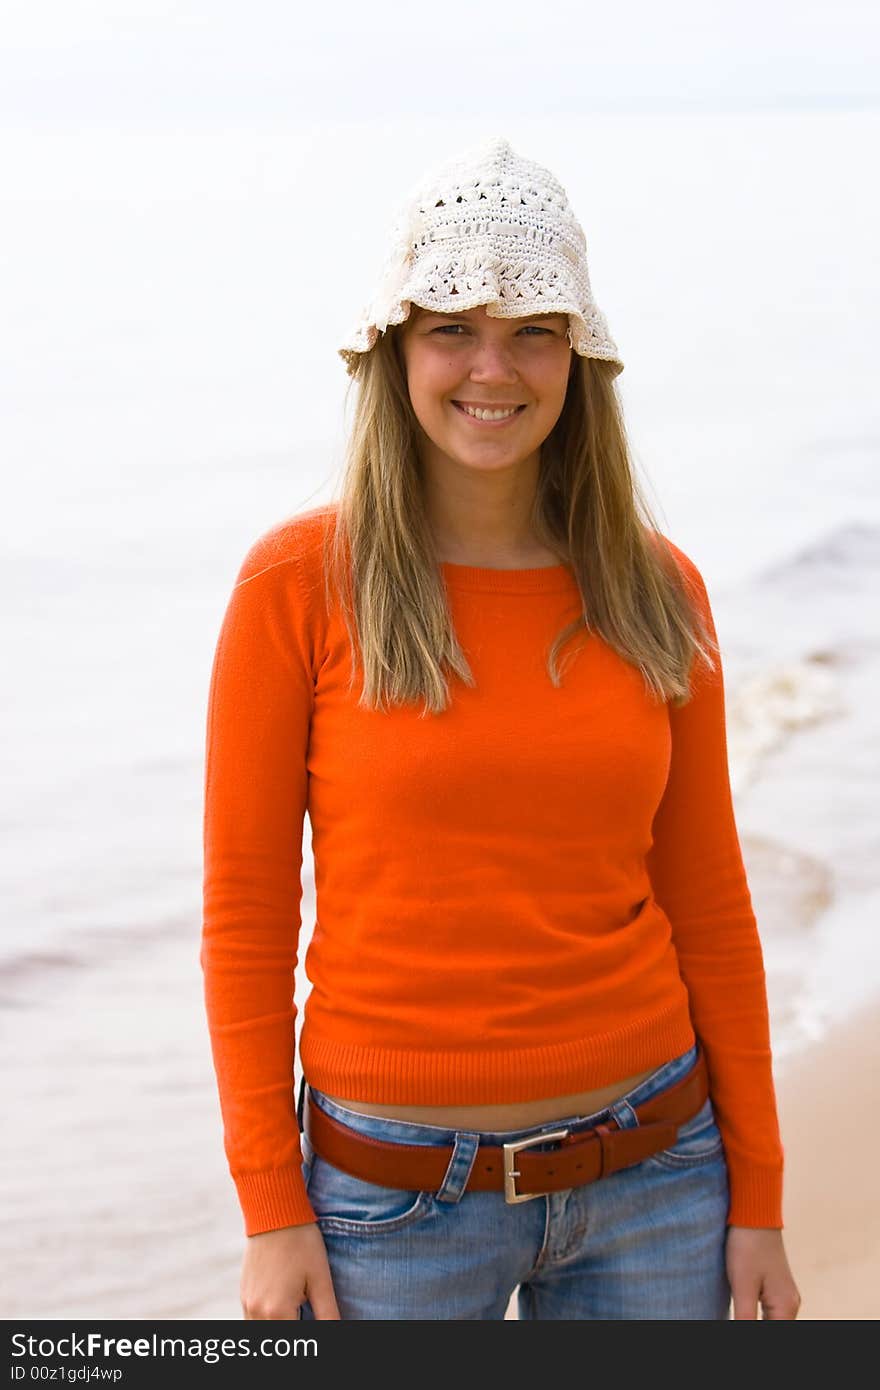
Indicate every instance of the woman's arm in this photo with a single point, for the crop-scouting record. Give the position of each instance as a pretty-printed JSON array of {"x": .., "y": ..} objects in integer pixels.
[
  {"x": 259, "y": 711},
  {"x": 699, "y": 879}
]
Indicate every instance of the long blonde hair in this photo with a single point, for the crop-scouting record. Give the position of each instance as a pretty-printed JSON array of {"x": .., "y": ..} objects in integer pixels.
[{"x": 588, "y": 508}]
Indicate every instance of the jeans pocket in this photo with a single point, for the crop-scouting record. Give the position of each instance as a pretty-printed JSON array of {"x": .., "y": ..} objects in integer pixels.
[
  {"x": 352, "y": 1206},
  {"x": 698, "y": 1141}
]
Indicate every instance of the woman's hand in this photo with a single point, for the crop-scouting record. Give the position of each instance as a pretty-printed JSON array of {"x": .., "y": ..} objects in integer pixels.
[
  {"x": 758, "y": 1271},
  {"x": 283, "y": 1268}
]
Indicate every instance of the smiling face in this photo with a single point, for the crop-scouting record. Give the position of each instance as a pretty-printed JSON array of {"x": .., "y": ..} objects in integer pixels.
[{"x": 485, "y": 391}]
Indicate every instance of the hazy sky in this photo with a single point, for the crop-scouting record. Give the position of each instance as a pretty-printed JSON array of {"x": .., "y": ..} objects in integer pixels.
[{"x": 154, "y": 61}]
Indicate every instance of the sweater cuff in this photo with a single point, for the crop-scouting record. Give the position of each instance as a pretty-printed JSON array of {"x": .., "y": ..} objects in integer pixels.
[
  {"x": 273, "y": 1198},
  {"x": 755, "y": 1196}
]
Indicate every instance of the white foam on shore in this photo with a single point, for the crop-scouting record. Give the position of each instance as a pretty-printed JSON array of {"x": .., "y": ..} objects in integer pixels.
[
  {"x": 766, "y": 707},
  {"x": 805, "y": 763}
]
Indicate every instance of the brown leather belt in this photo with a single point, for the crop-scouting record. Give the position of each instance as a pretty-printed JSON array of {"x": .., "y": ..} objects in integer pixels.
[{"x": 581, "y": 1157}]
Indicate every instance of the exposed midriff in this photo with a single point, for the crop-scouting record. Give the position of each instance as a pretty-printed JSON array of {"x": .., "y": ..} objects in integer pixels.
[{"x": 514, "y": 1116}]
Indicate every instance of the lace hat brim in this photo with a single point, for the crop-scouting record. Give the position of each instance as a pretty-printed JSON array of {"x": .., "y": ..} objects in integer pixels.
[{"x": 587, "y": 332}]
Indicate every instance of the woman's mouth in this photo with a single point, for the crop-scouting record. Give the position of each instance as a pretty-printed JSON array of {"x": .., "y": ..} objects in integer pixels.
[{"x": 488, "y": 416}]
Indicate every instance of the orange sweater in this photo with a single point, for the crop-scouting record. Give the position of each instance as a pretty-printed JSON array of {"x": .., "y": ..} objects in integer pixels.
[{"x": 537, "y": 892}]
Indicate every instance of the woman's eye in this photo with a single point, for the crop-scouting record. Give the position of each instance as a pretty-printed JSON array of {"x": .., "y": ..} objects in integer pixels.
[{"x": 448, "y": 327}]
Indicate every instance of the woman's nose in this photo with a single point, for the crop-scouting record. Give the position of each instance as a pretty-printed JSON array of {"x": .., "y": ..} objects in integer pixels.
[{"x": 492, "y": 361}]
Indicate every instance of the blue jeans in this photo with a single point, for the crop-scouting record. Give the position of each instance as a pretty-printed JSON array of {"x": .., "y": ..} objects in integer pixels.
[{"x": 645, "y": 1242}]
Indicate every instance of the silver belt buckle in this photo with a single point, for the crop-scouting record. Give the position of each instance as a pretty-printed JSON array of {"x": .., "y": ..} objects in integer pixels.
[{"x": 511, "y": 1174}]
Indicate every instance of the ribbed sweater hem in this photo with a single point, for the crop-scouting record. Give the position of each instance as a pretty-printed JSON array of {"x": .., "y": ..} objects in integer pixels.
[{"x": 491, "y": 1076}]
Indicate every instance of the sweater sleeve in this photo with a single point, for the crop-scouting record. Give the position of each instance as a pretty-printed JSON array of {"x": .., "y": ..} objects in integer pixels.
[
  {"x": 259, "y": 710},
  {"x": 699, "y": 879}
]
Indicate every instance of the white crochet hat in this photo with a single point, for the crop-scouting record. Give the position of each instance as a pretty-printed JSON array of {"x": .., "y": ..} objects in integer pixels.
[{"x": 487, "y": 227}]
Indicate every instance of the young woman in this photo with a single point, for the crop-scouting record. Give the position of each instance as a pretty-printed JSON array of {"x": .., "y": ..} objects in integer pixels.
[{"x": 536, "y": 1050}]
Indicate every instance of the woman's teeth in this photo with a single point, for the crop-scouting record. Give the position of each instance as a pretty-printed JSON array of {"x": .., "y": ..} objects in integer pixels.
[{"x": 488, "y": 414}]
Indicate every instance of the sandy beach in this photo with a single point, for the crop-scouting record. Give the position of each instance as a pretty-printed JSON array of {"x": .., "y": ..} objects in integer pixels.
[
  {"x": 830, "y": 1207},
  {"x": 114, "y": 1185}
]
